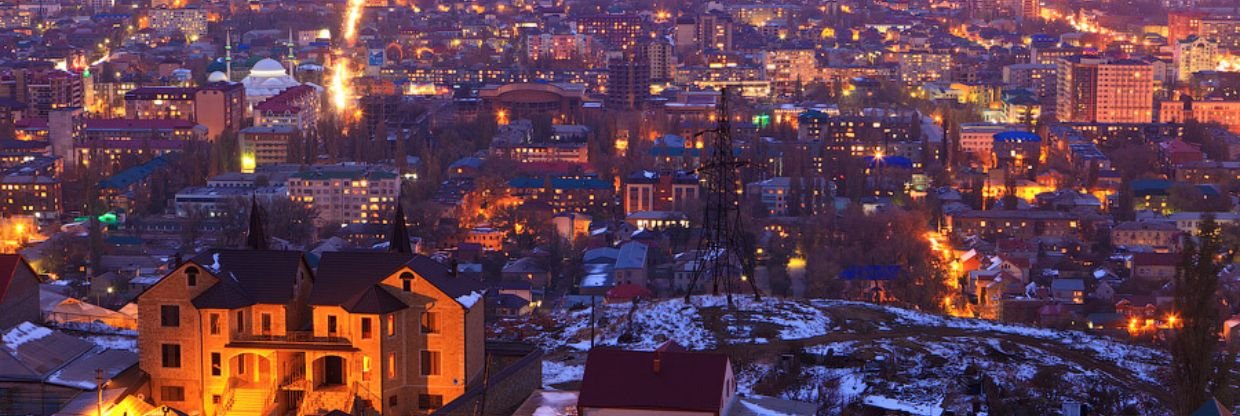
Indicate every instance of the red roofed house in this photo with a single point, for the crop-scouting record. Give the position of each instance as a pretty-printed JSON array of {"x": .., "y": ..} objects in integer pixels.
[
  {"x": 19, "y": 291},
  {"x": 668, "y": 380},
  {"x": 1177, "y": 152}
]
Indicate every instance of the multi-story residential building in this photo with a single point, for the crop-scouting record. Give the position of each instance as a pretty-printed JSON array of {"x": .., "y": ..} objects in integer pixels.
[
  {"x": 296, "y": 107},
  {"x": 661, "y": 191},
  {"x": 1224, "y": 29},
  {"x": 235, "y": 331},
  {"x": 790, "y": 69},
  {"x": 27, "y": 192},
  {"x": 619, "y": 31},
  {"x": 1093, "y": 89},
  {"x": 1183, "y": 23},
  {"x": 559, "y": 46},
  {"x": 154, "y": 103},
  {"x": 628, "y": 81},
  {"x": 220, "y": 106},
  {"x": 347, "y": 194},
  {"x": 43, "y": 89},
  {"x": 1018, "y": 149},
  {"x": 1193, "y": 55},
  {"x": 864, "y": 133},
  {"x": 1152, "y": 234},
  {"x": 1041, "y": 79},
  {"x": 785, "y": 196},
  {"x": 191, "y": 22},
  {"x": 263, "y": 145},
  {"x": 921, "y": 67},
  {"x": 662, "y": 58},
  {"x": 1224, "y": 112},
  {"x": 565, "y": 193},
  {"x": 704, "y": 32},
  {"x": 1023, "y": 224}
]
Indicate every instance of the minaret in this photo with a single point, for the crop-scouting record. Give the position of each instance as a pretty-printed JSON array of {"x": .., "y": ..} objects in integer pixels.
[
  {"x": 257, "y": 237},
  {"x": 228, "y": 54},
  {"x": 292, "y": 55},
  {"x": 398, "y": 239}
]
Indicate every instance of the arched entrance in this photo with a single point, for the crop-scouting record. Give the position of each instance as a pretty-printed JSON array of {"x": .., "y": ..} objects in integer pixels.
[{"x": 330, "y": 371}]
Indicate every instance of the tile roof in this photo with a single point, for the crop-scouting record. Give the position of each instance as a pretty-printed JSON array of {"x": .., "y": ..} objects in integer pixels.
[
  {"x": 248, "y": 277},
  {"x": 349, "y": 279}
]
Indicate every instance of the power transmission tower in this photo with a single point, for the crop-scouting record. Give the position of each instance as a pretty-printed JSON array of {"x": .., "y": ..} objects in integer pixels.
[{"x": 722, "y": 247}]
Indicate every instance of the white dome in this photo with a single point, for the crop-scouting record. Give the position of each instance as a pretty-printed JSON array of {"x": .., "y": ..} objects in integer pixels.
[
  {"x": 268, "y": 68},
  {"x": 217, "y": 76}
]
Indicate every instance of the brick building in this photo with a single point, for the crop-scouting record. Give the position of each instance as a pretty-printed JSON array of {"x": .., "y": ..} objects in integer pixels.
[{"x": 258, "y": 331}]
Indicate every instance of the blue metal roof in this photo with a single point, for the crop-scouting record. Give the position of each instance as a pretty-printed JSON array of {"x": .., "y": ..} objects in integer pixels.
[
  {"x": 1017, "y": 136},
  {"x": 871, "y": 272},
  {"x": 893, "y": 161}
]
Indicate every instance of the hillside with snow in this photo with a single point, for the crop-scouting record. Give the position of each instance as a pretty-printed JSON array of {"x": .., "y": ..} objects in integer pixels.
[{"x": 850, "y": 354}]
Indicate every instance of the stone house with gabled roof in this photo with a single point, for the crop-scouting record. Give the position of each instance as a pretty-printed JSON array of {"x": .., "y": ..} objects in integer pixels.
[{"x": 257, "y": 331}]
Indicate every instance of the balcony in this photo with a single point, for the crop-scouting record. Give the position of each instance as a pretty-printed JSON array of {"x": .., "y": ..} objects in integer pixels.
[{"x": 292, "y": 339}]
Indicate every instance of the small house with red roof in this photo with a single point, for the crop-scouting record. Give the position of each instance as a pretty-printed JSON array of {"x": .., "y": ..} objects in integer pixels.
[
  {"x": 19, "y": 291},
  {"x": 668, "y": 380}
]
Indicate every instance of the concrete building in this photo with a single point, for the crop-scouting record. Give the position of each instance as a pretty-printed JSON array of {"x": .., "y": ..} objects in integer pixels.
[
  {"x": 191, "y": 22},
  {"x": 789, "y": 70},
  {"x": 160, "y": 103},
  {"x": 1224, "y": 112},
  {"x": 219, "y": 106},
  {"x": 347, "y": 194},
  {"x": 263, "y": 145},
  {"x": 1093, "y": 89},
  {"x": 661, "y": 191},
  {"x": 1193, "y": 55}
]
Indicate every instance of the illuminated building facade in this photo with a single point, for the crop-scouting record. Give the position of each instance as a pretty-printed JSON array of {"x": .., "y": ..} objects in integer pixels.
[
  {"x": 159, "y": 103},
  {"x": 191, "y": 22},
  {"x": 257, "y": 331},
  {"x": 1223, "y": 112},
  {"x": 1194, "y": 54},
  {"x": 619, "y": 30},
  {"x": 347, "y": 194},
  {"x": 1100, "y": 90},
  {"x": 264, "y": 145},
  {"x": 661, "y": 191}
]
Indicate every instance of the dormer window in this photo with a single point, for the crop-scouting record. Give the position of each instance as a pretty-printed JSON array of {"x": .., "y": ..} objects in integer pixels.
[
  {"x": 191, "y": 276},
  {"x": 406, "y": 281}
]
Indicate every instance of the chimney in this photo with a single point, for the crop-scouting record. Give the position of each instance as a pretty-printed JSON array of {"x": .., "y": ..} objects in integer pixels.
[
  {"x": 658, "y": 361},
  {"x": 176, "y": 260},
  {"x": 456, "y": 269}
]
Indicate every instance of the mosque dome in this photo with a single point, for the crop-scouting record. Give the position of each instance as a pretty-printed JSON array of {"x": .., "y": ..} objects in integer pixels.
[
  {"x": 268, "y": 68},
  {"x": 217, "y": 76}
]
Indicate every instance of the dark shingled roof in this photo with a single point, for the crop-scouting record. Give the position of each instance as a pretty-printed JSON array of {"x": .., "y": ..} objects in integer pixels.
[
  {"x": 248, "y": 277},
  {"x": 349, "y": 279},
  {"x": 685, "y": 381}
]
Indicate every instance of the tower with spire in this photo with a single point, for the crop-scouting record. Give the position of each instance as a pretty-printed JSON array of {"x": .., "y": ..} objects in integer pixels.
[
  {"x": 256, "y": 238},
  {"x": 398, "y": 238}
]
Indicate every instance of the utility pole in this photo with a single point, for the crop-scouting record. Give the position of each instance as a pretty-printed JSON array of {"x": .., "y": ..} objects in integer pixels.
[{"x": 99, "y": 391}]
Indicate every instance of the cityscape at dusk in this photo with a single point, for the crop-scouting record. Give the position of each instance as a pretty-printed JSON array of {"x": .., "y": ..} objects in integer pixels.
[{"x": 619, "y": 208}]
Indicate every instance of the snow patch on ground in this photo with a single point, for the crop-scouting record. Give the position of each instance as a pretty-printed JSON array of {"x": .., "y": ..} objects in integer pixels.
[{"x": 555, "y": 372}]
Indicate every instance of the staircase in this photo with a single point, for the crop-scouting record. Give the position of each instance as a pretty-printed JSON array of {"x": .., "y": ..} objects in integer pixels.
[
  {"x": 321, "y": 402},
  {"x": 248, "y": 402}
]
